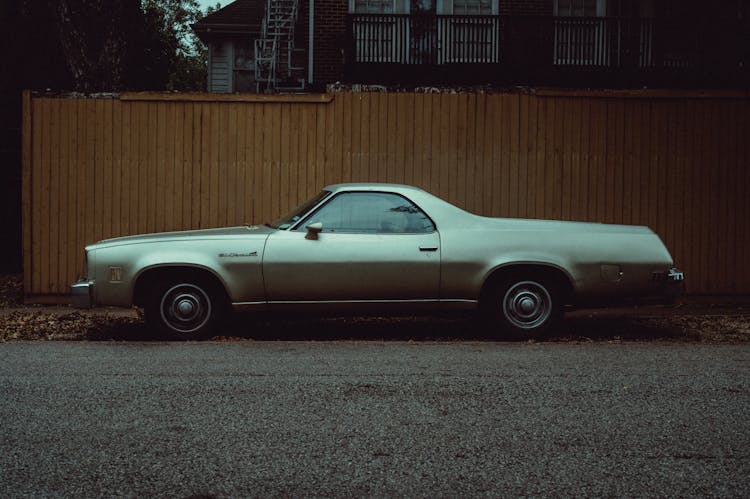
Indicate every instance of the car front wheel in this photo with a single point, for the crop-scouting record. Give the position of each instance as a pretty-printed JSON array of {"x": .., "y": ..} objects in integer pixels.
[
  {"x": 526, "y": 308},
  {"x": 184, "y": 309}
]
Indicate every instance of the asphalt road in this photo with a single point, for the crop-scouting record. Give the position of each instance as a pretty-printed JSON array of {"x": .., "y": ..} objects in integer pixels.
[{"x": 260, "y": 419}]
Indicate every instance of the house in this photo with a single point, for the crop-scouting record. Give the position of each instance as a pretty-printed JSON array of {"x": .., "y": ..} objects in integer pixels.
[
  {"x": 230, "y": 34},
  {"x": 258, "y": 45}
]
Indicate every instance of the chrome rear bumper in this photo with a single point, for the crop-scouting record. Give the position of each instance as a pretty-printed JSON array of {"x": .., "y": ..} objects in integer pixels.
[
  {"x": 674, "y": 275},
  {"x": 675, "y": 284},
  {"x": 81, "y": 294}
]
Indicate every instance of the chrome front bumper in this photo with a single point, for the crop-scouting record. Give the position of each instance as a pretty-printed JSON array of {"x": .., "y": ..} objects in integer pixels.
[{"x": 82, "y": 294}]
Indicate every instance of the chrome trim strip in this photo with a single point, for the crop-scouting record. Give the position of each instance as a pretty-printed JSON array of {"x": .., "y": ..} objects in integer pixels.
[
  {"x": 311, "y": 302},
  {"x": 343, "y": 302}
]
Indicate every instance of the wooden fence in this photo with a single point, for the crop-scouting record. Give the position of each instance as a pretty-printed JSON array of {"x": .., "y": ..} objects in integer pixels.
[{"x": 103, "y": 167}]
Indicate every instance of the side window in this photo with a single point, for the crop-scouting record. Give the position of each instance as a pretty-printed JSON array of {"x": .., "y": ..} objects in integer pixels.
[{"x": 371, "y": 213}]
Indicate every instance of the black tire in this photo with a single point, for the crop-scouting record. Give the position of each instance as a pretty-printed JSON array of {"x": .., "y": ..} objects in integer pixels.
[
  {"x": 524, "y": 307},
  {"x": 185, "y": 309}
]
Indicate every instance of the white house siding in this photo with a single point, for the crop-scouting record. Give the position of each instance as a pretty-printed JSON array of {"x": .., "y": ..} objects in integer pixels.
[{"x": 220, "y": 67}]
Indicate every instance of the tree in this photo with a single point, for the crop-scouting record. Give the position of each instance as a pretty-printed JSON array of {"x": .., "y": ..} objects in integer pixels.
[
  {"x": 172, "y": 45},
  {"x": 101, "y": 45},
  {"x": 99, "y": 39},
  {"x": 85, "y": 46}
]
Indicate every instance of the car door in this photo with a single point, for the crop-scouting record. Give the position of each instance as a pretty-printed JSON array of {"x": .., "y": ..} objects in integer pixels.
[{"x": 372, "y": 247}]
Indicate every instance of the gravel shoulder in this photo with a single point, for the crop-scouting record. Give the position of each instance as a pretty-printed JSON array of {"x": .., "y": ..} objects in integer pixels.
[{"x": 697, "y": 319}]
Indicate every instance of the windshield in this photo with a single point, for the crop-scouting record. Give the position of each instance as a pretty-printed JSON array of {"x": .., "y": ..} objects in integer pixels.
[{"x": 293, "y": 216}]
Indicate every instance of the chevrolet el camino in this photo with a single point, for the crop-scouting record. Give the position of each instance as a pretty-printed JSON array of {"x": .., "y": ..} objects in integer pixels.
[{"x": 378, "y": 248}]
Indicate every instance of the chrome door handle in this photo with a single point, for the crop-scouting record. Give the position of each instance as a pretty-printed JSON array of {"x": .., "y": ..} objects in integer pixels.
[{"x": 428, "y": 248}]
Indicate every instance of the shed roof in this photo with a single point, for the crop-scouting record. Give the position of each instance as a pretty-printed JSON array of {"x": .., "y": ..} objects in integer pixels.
[{"x": 240, "y": 17}]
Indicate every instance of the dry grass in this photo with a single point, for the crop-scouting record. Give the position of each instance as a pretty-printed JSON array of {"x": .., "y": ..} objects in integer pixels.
[
  {"x": 11, "y": 290},
  {"x": 38, "y": 324}
]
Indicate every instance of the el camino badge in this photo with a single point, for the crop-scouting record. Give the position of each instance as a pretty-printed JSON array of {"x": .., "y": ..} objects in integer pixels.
[{"x": 237, "y": 255}]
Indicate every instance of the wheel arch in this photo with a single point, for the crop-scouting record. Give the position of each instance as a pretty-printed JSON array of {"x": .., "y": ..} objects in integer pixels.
[
  {"x": 148, "y": 277},
  {"x": 560, "y": 278}
]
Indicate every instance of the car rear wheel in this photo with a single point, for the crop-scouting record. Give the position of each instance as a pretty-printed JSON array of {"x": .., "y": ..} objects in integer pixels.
[
  {"x": 525, "y": 307},
  {"x": 185, "y": 309}
]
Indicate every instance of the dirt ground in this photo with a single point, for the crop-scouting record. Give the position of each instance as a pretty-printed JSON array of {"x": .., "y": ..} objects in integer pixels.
[{"x": 695, "y": 319}]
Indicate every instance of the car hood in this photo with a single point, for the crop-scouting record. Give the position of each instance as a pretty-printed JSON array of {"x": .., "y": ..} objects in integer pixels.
[{"x": 244, "y": 231}]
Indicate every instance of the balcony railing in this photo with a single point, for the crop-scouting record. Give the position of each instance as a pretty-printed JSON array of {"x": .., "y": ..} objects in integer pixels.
[
  {"x": 546, "y": 46},
  {"x": 425, "y": 39}
]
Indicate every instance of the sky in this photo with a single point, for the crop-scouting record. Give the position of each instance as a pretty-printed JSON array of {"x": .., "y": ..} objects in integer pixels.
[{"x": 206, "y": 3}]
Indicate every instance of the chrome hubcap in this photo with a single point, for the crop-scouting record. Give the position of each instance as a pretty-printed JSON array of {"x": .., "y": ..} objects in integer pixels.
[
  {"x": 527, "y": 305},
  {"x": 185, "y": 308}
]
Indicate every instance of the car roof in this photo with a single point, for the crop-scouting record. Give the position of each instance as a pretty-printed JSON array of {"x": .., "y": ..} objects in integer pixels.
[{"x": 373, "y": 186}]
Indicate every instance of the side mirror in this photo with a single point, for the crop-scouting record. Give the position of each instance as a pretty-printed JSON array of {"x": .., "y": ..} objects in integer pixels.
[{"x": 313, "y": 230}]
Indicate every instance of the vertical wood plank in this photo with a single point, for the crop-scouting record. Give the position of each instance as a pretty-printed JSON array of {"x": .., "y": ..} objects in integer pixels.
[
  {"x": 396, "y": 153},
  {"x": 306, "y": 186},
  {"x": 65, "y": 218},
  {"x": 75, "y": 250},
  {"x": 258, "y": 121},
  {"x": 555, "y": 124},
  {"x": 521, "y": 165},
  {"x": 702, "y": 171},
  {"x": 226, "y": 135},
  {"x": 406, "y": 107},
  {"x": 329, "y": 172},
  {"x": 541, "y": 133},
  {"x": 567, "y": 151},
  {"x": 294, "y": 167},
  {"x": 178, "y": 193},
  {"x": 340, "y": 130},
  {"x": 27, "y": 194},
  {"x": 35, "y": 177},
  {"x": 435, "y": 153},
  {"x": 713, "y": 164},
  {"x": 483, "y": 186},
  {"x": 346, "y": 138},
  {"x": 380, "y": 143},
  {"x": 471, "y": 161},
  {"x": 460, "y": 165},
  {"x": 284, "y": 193},
  {"x": 373, "y": 142},
  {"x": 228, "y": 201},
  {"x": 104, "y": 169},
  {"x": 196, "y": 147},
  {"x": 357, "y": 124},
  {"x": 55, "y": 179},
  {"x": 117, "y": 155},
  {"x": 584, "y": 160},
  {"x": 126, "y": 148},
  {"x": 509, "y": 155},
  {"x": 245, "y": 165},
  {"x": 97, "y": 169},
  {"x": 634, "y": 132},
  {"x": 46, "y": 171},
  {"x": 81, "y": 191},
  {"x": 497, "y": 124},
  {"x": 426, "y": 166}
]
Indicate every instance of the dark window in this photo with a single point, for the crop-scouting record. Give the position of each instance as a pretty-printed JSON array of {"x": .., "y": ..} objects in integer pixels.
[
  {"x": 293, "y": 216},
  {"x": 371, "y": 213},
  {"x": 243, "y": 67}
]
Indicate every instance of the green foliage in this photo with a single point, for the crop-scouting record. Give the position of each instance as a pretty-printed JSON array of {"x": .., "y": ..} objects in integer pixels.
[
  {"x": 101, "y": 45},
  {"x": 174, "y": 47}
]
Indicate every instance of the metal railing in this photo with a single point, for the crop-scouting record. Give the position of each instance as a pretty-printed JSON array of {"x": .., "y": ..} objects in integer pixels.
[
  {"x": 546, "y": 41},
  {"x": 425, "y": 38}
]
